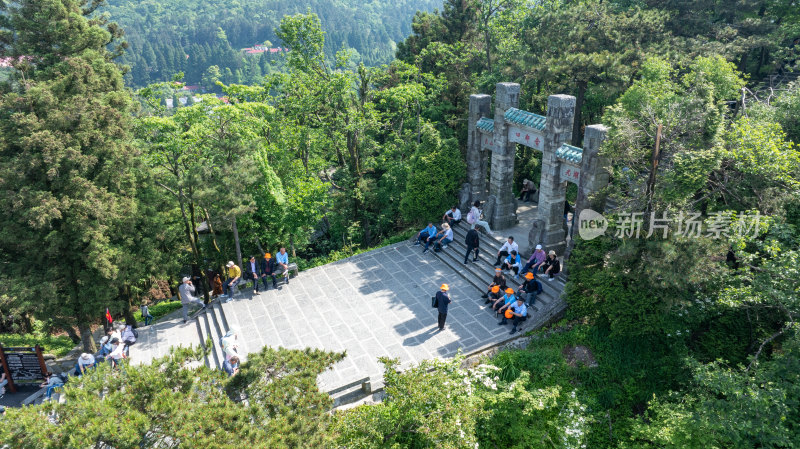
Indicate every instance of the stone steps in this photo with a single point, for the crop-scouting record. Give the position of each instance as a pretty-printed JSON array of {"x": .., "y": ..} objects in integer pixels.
[{"x": 211, "y": 324}]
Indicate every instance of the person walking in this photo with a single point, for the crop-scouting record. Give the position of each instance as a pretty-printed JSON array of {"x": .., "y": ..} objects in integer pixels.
[
  {"x": 186, "y": 291},
  {"x": 472, "y": 241},
  {"x": 442, "y": 302},
  {"x": 146, "y": 315}
]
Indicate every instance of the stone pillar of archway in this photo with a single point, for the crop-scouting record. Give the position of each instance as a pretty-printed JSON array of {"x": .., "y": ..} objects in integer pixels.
[
  {"x": 552, "y": 189},
  {"x": 502, "y": 171},
  {"x": 480, "y": 105}
]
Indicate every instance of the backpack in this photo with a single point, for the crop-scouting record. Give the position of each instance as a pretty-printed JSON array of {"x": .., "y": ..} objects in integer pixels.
[
  {"x": 471, "y": 218},
  {"x": 135, "y": 334}
]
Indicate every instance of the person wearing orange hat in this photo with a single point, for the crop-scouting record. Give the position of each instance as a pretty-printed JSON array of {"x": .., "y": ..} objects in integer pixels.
[
  {"x": 266, "y": 269},
  {"x": 442, "y": 302},
  {"x": 530, "y": 289},
  {"x": 498, "y": 279},
  {"x": 505, "y": 301},
  {"x": 517, "y": 312},
  {"x": 495, "y": 293}
]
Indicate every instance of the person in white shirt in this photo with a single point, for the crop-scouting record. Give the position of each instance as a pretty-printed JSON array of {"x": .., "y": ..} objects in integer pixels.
[
  {"x": 505, "y": 250},
  {"x": 446, "y": 235},
  {"x": 452, "y": 216},
  {"x": 474, "y": 218},
  {"x": 117, "y": 353},
  {"x": 230, "y": 345}
]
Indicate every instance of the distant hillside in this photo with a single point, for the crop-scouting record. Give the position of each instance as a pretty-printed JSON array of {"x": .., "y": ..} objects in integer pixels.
[{"x": 169, "y": 36}]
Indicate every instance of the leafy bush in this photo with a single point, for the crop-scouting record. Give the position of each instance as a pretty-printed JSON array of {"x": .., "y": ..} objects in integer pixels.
[
  {"x": 59, "y": 346},
  {"x": 159, "y": 310}
]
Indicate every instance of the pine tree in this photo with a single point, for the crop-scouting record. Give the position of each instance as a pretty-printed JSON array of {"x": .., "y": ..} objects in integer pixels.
[{"x": 65, "y": 184}]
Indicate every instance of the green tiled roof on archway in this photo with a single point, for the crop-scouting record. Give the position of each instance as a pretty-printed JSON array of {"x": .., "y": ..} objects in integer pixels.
[
  {"x": 570, "y": 153},
  {"x": 525, "y": 118},
  {"x": 485, "y": 124}
]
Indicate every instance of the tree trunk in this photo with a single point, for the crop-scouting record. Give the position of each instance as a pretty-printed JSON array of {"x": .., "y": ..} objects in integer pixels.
[
  {"x": 86, "y": 338},
  {"x": 72, "y": 334},
  {"x": 129, "y": 318},
  {"x": 211, "y": 231},
  {"x": 236, "y": 241},
  {"x": 291, "y": 245},
  {"x": 577, "y": 137}
]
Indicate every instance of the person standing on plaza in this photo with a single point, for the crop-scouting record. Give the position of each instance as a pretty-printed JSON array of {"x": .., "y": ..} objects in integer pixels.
[
  {"x": 472, "y": 241},
  {"x": 186, "y": 291},
  {"x": 442, "y": 303},
  {"x": 234, "y": 276},
  {"x": 267, "y": 270},
  {"x": 146, "y": 314},
  {"x": 283, "y": 262}
]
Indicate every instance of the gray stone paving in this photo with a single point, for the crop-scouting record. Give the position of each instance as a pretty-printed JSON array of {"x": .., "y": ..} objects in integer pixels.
[{"x": 370, "y": 305}]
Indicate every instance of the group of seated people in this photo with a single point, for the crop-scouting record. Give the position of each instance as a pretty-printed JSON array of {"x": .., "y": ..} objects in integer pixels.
[
  {"x": 264, "y": 269},
  {"x": 508, "y": 258}
]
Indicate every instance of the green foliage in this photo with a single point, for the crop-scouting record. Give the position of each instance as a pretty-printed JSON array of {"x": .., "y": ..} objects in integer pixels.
[
  {"x": 436, "y": 171},
  {"x": 158, "y": 310},
  {"x": 59, "y": 346}
]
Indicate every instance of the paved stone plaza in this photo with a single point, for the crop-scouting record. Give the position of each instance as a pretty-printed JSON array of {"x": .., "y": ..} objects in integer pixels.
[{"x": 370, "y": 305}]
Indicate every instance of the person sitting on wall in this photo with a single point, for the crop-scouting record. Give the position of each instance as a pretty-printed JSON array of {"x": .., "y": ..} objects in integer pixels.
[
  {"x": 282, "y": 258},
  {"x": 494, "y": 295},
  {"x": 452, "y": 216},
  {"x": 537, "y": 260},
  {"x": 505, "y": 250},
  {"x": 425, "y": 234},
  {"x": 251, "y": 273},
  {"x": 552, "y": 266},
  {"x": 234, "y": 276},
  {"x": 528, "y": 189},
  {"x": 513, "y": 262},
  {"x": 498, "y": 279},
  {"x": 267, "y": 270},
  {"x": 530, "y": 289}
]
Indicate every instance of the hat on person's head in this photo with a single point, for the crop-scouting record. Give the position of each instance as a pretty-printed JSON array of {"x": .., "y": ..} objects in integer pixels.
[
  {"x": 114, "y": 340},
  {"x": 445, "y": 226},
  {"x": 498, "y": 270},
  {"x": 552, "y": 253},
  {"x": 104, "y": 339},
  {"x": 445, "y": 287},
  {"x": 510, "y": 291},
  {"x": 538, "y": 246},
  {"x": 267, "y": 255},
  {"x": 495, "y": 289},
  {"x": 86, "y": 356},
  {"x": 529, "y": 275},
  {"x": 230, "y": 264},
  {"x": 185, "y": 278}
]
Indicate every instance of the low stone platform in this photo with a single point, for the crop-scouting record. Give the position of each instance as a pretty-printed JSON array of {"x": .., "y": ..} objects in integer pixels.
[{"x": 370, "y": 305}]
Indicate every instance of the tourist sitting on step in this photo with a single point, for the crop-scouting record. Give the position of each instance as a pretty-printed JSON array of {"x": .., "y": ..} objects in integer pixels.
[
  {"x": 433, "y": 238},
  {"x": 282, "y": 258},
  {"x": 443, "y": 237},
  {"x": 505, "y": 250},
  {"x": 498, "y": 279},
  {"x": 425, "y": 234},
  {"x": 536, "y": 261},
  {"x": 267, "y": 269},
  {"x": 505, "y": 301},
  {"x": 186, "y": 292},
  {"x": 472, "y": 240},
  {"x": 452, "y": 216},
  {"x": 474, "y": 218},
  {"x": 551, "y": 266},
  {"x": 230, "y": 344},
  {"x": 105, "y": 349},
  {"x": 517, "y": 312},
  {"x": 513, "y": 262},
  {"x": 234, "y": 276},
  {"x": 231, "y": 366},
  {"x": 251, "y": 273},
  {"x": 494, "y": 295},
  {"x": 528, "y": 189},
  {"x": 530, "y": 289},
  {"x": 52, "y": 382},
  {"x": 117, "y": 353}
]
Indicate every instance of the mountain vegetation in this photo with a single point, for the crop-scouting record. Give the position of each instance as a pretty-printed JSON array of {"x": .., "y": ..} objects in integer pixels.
[
  {"x": 180, "y": 36},
  {"x": 694, "y": 336}
]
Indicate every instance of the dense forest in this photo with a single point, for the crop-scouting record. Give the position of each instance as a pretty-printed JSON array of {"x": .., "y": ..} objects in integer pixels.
[
  {"x": 168, "y": 37},
  {"x": 694, "y": 337}
]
